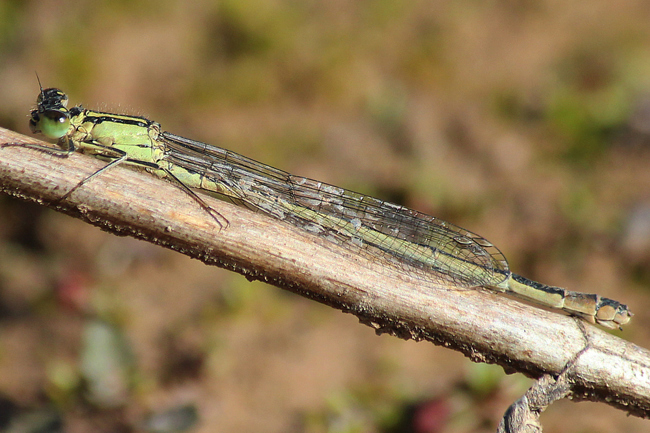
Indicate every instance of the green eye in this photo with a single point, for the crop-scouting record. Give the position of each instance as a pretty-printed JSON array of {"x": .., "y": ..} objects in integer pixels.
[{"x": 51, "y": 123}]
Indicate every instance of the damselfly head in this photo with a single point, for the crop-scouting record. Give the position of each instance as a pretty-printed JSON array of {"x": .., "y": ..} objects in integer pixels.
[
  {"x": 52, "y": 99},
  {"x": 53, "y": 123}
]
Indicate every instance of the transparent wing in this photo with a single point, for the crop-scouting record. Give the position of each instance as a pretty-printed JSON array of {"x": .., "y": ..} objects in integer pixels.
[{"x": 415, "y": 241}]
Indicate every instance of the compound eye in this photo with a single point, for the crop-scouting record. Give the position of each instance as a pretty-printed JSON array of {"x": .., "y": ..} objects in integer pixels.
[
  {"x": 34, "y": 121},
  {"x": 51, "y": 123}
]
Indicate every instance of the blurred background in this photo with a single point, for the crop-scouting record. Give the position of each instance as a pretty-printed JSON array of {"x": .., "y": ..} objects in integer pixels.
[{"x": 527, "y": 122}]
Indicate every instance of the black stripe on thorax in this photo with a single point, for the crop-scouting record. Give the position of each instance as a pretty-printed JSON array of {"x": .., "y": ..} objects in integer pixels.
[{"x": 97, "y": 117}]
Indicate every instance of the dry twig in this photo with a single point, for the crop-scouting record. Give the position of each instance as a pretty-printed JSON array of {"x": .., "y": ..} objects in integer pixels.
[{"x": 484, "y": 326}]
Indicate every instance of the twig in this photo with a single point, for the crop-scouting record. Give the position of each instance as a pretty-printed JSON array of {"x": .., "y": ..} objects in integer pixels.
[
  {"x": 484, "y": 326},
  {"x": 523, "y": 415}
]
